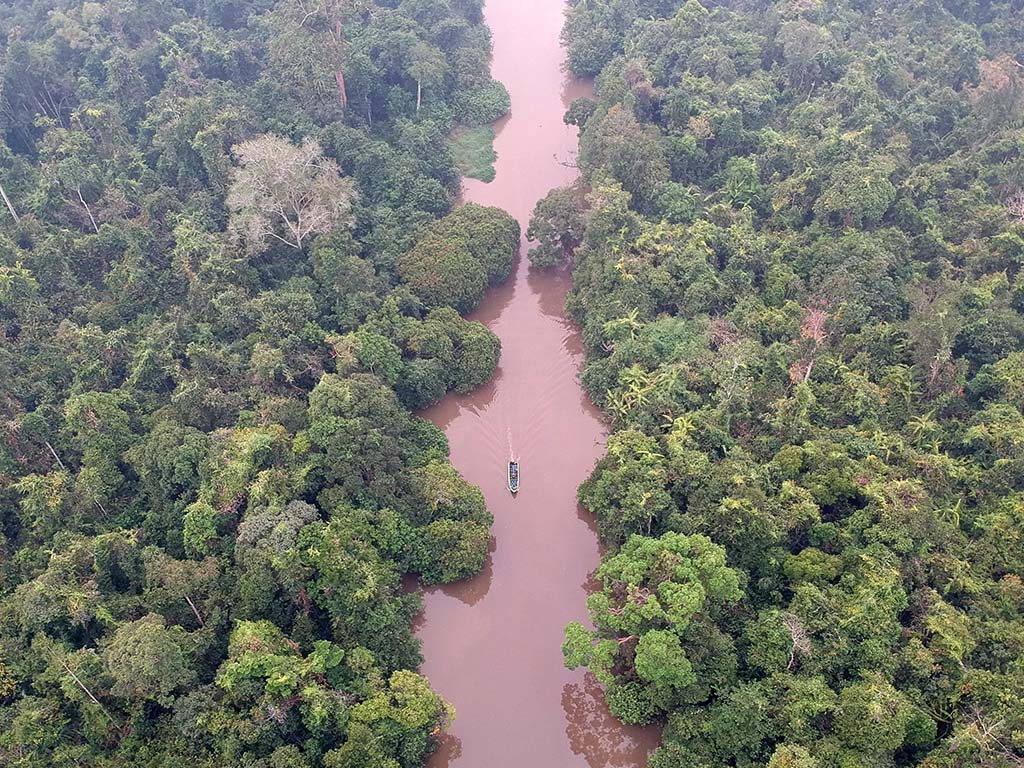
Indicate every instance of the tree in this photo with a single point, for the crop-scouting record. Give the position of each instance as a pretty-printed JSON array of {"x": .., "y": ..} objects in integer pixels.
[
  {"x": 65, "y": 597},
  {"x": 439, "y": 492},
  {"x": 874, "y": 718},
  {"x": 267, "y": 544},
  {"x": 45, "y": 505},
  {"x": 74, "y": 174},
  {"x": 627, "y": 489},
  {"x": 859, "y": 193},
  {"x": 557, "y": 227},
  {"x": 308, "y": 52},
  {"x": 406, "y": 715},
  {"x": 490, "y": 234},
  {"x": 360, "y": 438},
  {"x": 181, "y": 590},
  {"x": 792, "y": 756},
  {"x": 147, "y": 660},
  {"x": 457, "y": 257},
  {"x": 651, "y": 615},
  {"x": 477, "y": 352},
  {"x": 802, "y": 44},
  {"x": 359, "y": 591},
  {"x": 378, "y": 355},
  {"x": 628, "y": 151},
  {"x": 443, "y": 272},
  {"x": 449, "y": 550},
  {"x": 278, "y": 187},
  {"x": 426, "y": 64},
  {"x": 102, "y": 431},
  {"x": 312, "y": 694},
  {"x": 999, "y": 96}
]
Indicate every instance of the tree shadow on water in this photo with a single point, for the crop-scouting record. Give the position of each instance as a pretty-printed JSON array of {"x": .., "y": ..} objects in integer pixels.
[
  {"x": 550, "y": 285},
  {"x": 442, "y": 413},
  {"x": 449, "y": 749},
  {"x": 472, "y": 591},
  {"x": 596, "y": 735},
  {"x": 588, "y": 517}
]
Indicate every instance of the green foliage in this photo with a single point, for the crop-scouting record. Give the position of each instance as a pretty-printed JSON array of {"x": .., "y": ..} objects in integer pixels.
[
  {"x": 616, "y": 143},
  {"x": 651, "y": 617},
  {"x": 474, "y": 152},
  {"x": 443, "y": 272},
  {"x": 378, "y": 355},
  {"x": 146, "y": 660},
  {"x": 211, "y": 481},
  {"x": 444, "y": 267},
  {"x": 490, "y": 234},
  {"x": 452, "y": 540},
  {"x": 481, "y": 105},
  {"x": 556, "y": 226},
  {"x": 798, "y": 279},
  {"x": 477, "y": 353}
]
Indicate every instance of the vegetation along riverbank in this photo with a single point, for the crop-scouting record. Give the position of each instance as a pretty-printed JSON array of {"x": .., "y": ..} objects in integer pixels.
[{"x": 797, "y": 265}]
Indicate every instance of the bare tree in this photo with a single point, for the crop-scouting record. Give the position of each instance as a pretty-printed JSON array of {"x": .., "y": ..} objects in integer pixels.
[
  {"x": 285, "y": 192},
  {"x": 1015, "y": 207},
  {"x": 798, "y": 634},
  {"x": 813, "y": 335}
]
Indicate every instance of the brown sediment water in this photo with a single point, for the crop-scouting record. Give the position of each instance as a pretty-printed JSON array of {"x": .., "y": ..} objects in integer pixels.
[{"x": 492, "y": 644}]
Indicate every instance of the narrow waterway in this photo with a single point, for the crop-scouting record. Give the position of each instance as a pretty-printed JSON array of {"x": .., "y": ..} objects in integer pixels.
[{"x": 491, "y": 644}]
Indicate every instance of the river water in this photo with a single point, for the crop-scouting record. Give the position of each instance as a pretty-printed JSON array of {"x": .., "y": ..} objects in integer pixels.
[{"x": 492, "y": 644}]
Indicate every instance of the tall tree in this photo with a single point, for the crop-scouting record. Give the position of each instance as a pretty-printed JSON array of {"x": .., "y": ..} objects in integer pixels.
[{"x": 286, "y": 192}]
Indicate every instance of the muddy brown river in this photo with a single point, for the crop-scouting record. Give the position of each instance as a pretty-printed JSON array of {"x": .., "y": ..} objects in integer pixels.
[{"x": 492, "y": 644}]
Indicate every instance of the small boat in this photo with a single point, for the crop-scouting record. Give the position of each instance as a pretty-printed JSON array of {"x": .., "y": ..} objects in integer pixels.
[{"x": 513, "y": 476}]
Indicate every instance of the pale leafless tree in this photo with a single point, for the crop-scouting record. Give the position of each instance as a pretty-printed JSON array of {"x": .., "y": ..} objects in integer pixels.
[
  {"x": 990, "y": 738},
  {"x": 285, "y": 192},
  {"x": 813, "y": 336},
  {"x": 798, "y": 634},
  {"x": 1015, "y": 207}
]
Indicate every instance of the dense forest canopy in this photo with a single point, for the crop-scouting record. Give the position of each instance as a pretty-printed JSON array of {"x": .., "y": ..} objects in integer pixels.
[
  {"x": 799, "y": 267},
  {"x": 230, "y": 269},
  {"x": 217, "y": 220}
]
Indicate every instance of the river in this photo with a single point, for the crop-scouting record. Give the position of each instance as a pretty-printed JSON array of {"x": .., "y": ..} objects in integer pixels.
[{"x": 492, "y": 644}]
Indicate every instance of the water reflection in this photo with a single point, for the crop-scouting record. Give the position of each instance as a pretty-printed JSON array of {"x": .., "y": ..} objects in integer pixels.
[
  {"x": 587, "y": 517},
  {"x": 484, "y": 396},
  {"x": 497, "y": 299},
  {"x": 493, "y": 650},
  {"x": 472, "y": 591},
  {"x": 597, "y": 736},
  {"x": 591, "y": 584},
  {"x": 444, "y": 412},
  {"x": 449, "y": 749},
  {"x": 551, "y": 285}
]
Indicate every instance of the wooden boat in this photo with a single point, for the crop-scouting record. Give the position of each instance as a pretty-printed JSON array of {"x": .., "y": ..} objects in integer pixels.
[{"x": 513, "y": 476}]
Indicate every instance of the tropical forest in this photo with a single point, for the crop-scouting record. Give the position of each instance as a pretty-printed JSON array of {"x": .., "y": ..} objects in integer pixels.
[{"x": 507, "y": 383}]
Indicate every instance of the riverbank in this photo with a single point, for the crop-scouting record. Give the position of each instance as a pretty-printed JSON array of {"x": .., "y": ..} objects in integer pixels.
[{"x": 492, "y": 643}]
